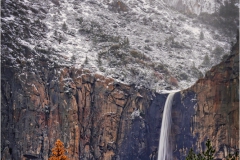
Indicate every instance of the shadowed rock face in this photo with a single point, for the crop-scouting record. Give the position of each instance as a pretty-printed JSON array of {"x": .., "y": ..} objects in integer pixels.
[
  {"x": 91, "y": 114},
  {"x": 217, "y": 110}
]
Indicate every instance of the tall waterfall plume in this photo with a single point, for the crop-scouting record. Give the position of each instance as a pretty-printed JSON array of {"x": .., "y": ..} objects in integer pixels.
[{"x": 164, "y": 150}]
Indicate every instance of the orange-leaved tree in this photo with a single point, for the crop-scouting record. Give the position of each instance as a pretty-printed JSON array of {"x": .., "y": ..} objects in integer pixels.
[{"x": 58, "y": 151}]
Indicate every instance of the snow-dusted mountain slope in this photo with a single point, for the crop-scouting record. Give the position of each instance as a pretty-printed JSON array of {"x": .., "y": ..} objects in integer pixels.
[
  {"x": 195, "y": 6},
  {"x": 134, "y": 41}
]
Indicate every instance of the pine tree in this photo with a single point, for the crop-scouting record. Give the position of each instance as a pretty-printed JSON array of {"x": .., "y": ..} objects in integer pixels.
[
  {"x": 191, "y": 155},
  {"x": 207, "y": 155},
  {"x": 209, "y": 152},
  {"x": 86, "y": 60},
  {"x": 73, "y": 59},
  {"x": 218, "y": 52},
  {"x": 55, "y": 33},
  {"x": 58, "y": 151},
  {"x": 64, "y": 27},
  {"x": 201, "y": 36},
  {"x": 206, "y": 60}
]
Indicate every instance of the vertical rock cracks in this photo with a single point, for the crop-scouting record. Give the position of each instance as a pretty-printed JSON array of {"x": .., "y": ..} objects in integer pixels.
[
  {"x": 217, "y": 110},
  {"x": 89, "y": 113}
]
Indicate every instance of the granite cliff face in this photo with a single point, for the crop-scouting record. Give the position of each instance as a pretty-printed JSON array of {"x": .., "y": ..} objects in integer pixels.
[
  {"x": 89, "y": 113},
  {"x": 217, "y": 109},
  {"x": 94, "y": 116},
  {"x": 99, "y": 118}
]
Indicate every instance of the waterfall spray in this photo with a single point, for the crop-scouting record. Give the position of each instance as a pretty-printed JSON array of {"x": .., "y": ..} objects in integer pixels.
[{"x": 164, "y": 150}]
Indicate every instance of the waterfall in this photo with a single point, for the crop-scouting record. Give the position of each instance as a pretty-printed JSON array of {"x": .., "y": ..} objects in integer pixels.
[{"x": 164, "y": 150}]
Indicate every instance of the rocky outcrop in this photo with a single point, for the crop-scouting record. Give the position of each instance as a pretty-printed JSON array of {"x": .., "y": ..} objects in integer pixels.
[
  {"x": 95, "y": 117},
  {"x": 217, "y": 109}
]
